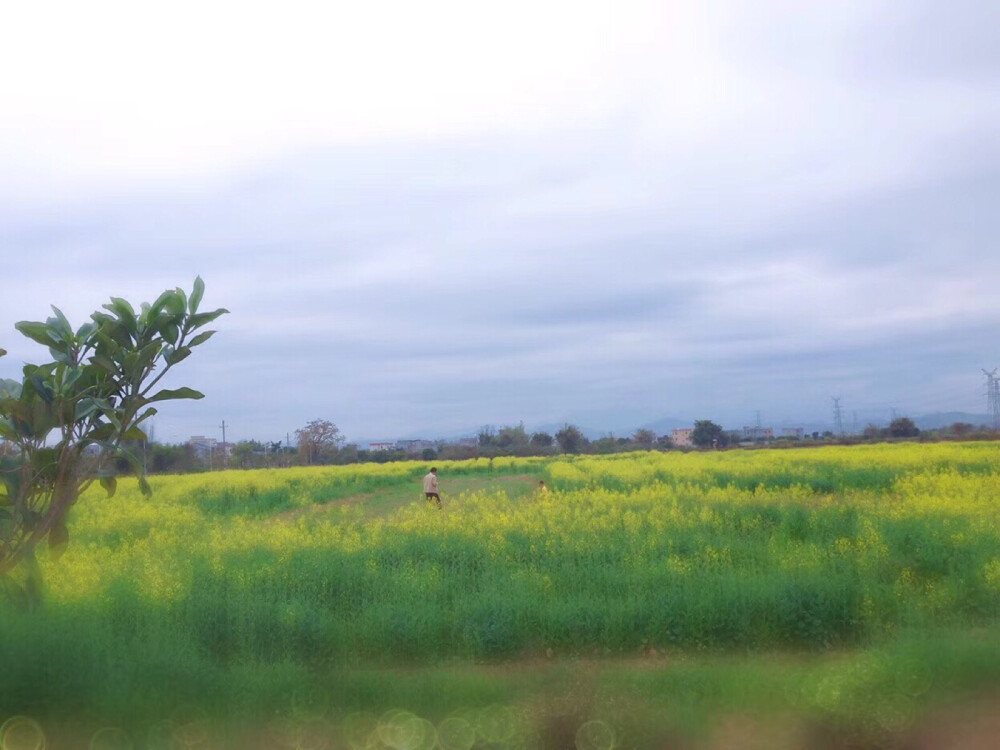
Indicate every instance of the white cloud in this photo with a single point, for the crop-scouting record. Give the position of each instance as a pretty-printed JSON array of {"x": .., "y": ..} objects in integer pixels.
[{"x": 118, "y": 90}]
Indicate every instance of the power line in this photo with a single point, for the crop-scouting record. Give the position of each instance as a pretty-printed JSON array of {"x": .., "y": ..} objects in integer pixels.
[{"x": 838, "y": 420}]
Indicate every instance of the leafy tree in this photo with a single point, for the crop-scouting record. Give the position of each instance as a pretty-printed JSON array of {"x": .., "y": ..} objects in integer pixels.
[
  {"x": 512, "y": 438},
  {"x": 242, "y": 453},
  {"x": 67, "y": 420},
  {"x": 872, "y": 432},
  {"x": 571, "y": 439},
  {"x": 487, "y": 436},
  {"x": 961, "y": 429},
  {"x": 318, "y": 441},
  {"x": 644, "y": 438},
  {"x": 707, "y": 434},
  {"x": 542, "y": 440},
  {"x": 170, "y": 458},
  {"x": 903, "y": 427},
  {"x": 606, "y": 444}
]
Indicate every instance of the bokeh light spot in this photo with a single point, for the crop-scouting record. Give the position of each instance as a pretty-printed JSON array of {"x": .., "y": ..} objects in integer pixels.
[{"x": 21, "y": 733}]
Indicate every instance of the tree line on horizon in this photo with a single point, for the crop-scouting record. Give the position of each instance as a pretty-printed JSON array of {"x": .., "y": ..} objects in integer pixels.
[{"x": 320, "y": 442}]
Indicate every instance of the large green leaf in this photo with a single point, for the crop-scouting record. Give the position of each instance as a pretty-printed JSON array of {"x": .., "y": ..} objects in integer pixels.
[
  {"x": 85, "y": 331},
  {"x": 60, "y": 325},
  {"x": 174, "y": 356},
  {"x": 85, "y": 408},
  {"x": 124, "y": 312},
  {"x": 167, "y": 394},
  {"x": 147, "y": 355},
  {"x": 201, "y": 338},
  {"x": 63, "y": 357},
  {"x": 196, "y": 294},
  {"x": 38, "y": 332},
  {"x": 150, "y": 412},
  {"x": 101, "y": 433},
  {"x": 41, "y": 387},
  {"x": 158, "y": 306},
  {"x": 135, "y": 433},
  {"x": 171, "y": 332},
  {"x": 175, "y": 303},
  {"x": 197, "y": 321},
  {"x": 110, "y": 485},
  {"x": 105, "y": 363},
  {"x": 113, "y": 335}
]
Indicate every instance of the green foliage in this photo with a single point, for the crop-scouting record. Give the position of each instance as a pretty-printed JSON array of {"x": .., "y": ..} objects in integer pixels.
[
  {"x": 571, "y": 439},
  {"x": 707, "y": 434},
  {"x": 644, "y": 439},
  {"x": 542, "y": 440},
  {"x": 319, "y": 442},
  {"x": 67, "y": 420},
  {"x": 903, "y": 427}
]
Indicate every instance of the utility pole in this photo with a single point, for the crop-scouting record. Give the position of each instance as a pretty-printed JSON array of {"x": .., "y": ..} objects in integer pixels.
[
  {"x": 993, "y": 396},
  {"x": 838, "y": 420},
  {"x": 225, "y": 453}
]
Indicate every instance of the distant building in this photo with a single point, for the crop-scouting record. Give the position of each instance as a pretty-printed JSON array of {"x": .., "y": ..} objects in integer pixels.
[
  {"x": 681, "y": 437},
  {"x": 796, "y": 433},
  {"x": 390, "y": 446},
  {"x": 758, "y": 433},
  {"x": 414, "y": 446},
  {"x": 203, "y": 446}
]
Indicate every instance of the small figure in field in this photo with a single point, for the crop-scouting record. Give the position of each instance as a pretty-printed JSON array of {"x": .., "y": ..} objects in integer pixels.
[
  {"x": 431, "y": 487},
  {"x": 542, "y": 489}
]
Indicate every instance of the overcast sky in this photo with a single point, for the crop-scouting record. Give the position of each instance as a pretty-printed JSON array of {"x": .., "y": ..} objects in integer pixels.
[{"x": 431, "y": 216}]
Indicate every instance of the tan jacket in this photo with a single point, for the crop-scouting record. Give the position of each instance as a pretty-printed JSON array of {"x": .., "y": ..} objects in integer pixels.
[{"x": 430, "y": 483}]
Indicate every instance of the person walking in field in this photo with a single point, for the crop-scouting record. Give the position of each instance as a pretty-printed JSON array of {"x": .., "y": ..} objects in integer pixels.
[
  {"x": 542, "y": 489},
  {"x": 431, "y": 487}
]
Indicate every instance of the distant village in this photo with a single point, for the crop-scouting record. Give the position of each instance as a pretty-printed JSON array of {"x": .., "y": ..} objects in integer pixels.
[{"x": 320, "y": 443}]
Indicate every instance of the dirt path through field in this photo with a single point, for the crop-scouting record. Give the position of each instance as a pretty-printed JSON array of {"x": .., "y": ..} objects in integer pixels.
[{"x": 391, "y": 498}]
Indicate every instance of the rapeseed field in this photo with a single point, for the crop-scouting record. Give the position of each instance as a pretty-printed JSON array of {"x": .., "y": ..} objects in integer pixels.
[{"x": 803, "y": 581}]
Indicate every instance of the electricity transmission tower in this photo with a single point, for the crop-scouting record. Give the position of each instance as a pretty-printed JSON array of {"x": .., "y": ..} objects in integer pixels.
[
  {"x": 838, "y": 419},
  {"x": 993, "y": 396}
]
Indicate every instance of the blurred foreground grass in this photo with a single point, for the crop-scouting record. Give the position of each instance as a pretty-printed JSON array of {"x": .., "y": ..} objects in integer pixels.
[{"x": 933, "y": 685}]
